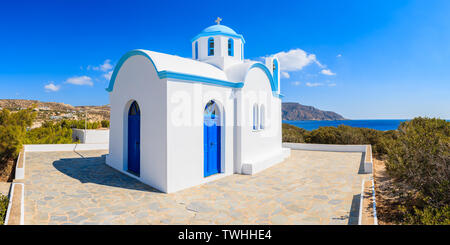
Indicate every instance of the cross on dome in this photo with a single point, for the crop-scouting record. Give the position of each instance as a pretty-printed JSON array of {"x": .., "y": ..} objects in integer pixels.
[{"x": 218, "y": 20}]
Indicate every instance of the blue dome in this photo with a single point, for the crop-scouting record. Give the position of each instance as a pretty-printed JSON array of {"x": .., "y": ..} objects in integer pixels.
[{"x": 218, "y": 30}]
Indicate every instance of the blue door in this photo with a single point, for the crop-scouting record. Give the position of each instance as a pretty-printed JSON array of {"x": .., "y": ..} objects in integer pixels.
[
  {"x": 211, "y": 139},
  {"x": 134, "y": 136}
]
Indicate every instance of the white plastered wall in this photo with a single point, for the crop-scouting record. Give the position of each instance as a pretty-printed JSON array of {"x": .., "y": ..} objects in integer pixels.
[
  {"x": 185, "y": 157},
  {"x": 220, "y": 58},
  {"x": 256, "y": 146},
  {"x": 138, "y": 80}
]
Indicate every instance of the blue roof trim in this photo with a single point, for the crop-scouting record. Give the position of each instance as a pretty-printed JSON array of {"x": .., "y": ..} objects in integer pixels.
[
  {"x": 273, "y": 83},
  {"x": 216, "y": 33},
  {"x": 120, "y": 63},
  {"x": 168, "y": 74},
  {"x": 194, "y": 78},
  {"x": 277, "y": 95}
]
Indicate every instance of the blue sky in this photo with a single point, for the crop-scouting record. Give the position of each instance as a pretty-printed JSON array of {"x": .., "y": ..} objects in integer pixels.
[{"x": 362, "y": 59}]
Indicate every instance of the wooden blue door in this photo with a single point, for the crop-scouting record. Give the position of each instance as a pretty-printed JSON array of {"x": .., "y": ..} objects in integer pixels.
[
  {"x": 134, "y": 136},
  {"x": 211, "y": 140}
]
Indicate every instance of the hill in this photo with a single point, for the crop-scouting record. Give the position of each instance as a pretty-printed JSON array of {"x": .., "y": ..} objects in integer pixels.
[
  {"x": 56, "y": 111},
  {"x": 296, "y": 112}
]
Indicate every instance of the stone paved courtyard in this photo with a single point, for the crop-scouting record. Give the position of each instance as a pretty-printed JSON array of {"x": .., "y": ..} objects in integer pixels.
[{"x": 310, "y": 187}]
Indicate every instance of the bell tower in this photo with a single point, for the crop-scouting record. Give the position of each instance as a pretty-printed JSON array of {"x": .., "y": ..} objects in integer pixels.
[{"x": 218, "y": 45}]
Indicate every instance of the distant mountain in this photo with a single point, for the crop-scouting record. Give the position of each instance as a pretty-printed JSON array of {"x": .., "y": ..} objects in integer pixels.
[{"x": 296, "y": 112}]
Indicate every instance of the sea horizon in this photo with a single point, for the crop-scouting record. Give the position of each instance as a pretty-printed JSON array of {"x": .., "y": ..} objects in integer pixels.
[{"x": 377, "y": 124}]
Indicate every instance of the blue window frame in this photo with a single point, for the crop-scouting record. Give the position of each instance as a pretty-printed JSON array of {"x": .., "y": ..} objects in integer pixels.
[
  {"x": 255, "y": 117},
  {"x": 211, "y": 46},
  {"x": 230, "y": 47},
  {"x": 275, "y": 73},
  {"x": 196, "y": 50}
]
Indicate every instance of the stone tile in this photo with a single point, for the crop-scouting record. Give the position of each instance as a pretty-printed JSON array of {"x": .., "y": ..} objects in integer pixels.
[{"x": 308, "y": 188}]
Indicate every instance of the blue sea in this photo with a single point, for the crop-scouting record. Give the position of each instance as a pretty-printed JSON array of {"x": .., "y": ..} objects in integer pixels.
[{"x": 378, "y": 124}]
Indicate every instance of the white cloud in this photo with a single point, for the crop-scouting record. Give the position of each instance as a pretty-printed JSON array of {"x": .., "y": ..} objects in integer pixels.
[
  {"x": 328, "y": 72},
  {"x": 108, "y": 75},
  {"x": 285, "y": 74},
  {"x": 82, "y": 80},
  {"x": 106, "y": 66},
  {"x": 51, "y": 87},
  {"x": 296, "y": 83},
  {"x": 314, "y": 84},
  {"x": 296, "y": 59},
  {"x": 339, "y": 55},
  {"x": 332, "y": 85}
]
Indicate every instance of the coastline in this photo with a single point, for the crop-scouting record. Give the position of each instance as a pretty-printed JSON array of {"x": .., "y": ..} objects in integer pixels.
[{"x": 376, "y": 124}]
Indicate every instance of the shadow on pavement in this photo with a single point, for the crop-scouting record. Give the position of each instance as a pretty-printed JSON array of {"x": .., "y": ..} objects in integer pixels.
[{"x": 94, "y": 170}]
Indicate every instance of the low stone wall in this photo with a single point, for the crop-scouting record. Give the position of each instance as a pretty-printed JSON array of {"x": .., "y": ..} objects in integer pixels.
[
  {"x": 325, "y": 147},
  {"x": 91, "y": 136},
  {"x": 20, "y": 165},
  {"x": 365, "y": 149}
]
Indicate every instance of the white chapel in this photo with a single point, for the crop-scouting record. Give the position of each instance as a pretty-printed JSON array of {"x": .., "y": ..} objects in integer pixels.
[{"x": 179, "y": 122}]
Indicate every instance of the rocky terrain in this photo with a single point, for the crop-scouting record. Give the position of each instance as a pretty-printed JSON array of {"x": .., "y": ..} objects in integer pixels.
[
  {"x": 296, "y": 112},
  {"x": 57, "y": 111}
]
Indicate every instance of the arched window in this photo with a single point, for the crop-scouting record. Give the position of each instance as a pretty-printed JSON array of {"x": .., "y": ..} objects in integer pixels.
[
  {"x": 212, "y": 114},
  {"x": 196, "y": 50},
  {"x": 230, "y": 47},
  {"x": 211, "y": 46},
  {"x": 255, "y": 117},
  {"x": 275, "y": 73},
  {"x": 134, "y": 109},
  {"x": 262, "y": 115}
]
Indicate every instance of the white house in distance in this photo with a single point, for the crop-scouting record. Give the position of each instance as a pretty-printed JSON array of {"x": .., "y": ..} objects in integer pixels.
[{"x": 179, "y": 122}]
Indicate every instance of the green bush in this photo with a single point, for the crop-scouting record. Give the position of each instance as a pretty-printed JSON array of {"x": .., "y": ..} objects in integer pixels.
[
  {"x": 79, "y": 124},
  {"x": 12, "y": 131},
  {"x": 105, "y": 123},
  {"x": 49, "y": 134},
  {"x": 420, "y": 158},
  {"x": 427, "y": 216},
  {"x": 339, "y": 135},
  {"x": 293, "y": 134},
  {"x": 3, "y": 207}
]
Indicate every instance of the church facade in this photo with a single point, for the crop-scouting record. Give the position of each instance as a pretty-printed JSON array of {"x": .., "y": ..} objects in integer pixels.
[{"x": 179, "y": 122}]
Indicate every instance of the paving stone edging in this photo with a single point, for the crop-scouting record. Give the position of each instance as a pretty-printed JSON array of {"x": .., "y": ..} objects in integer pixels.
[
  {"x": 363, "y": 216},
  {"x": 15, "y": 211}
]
